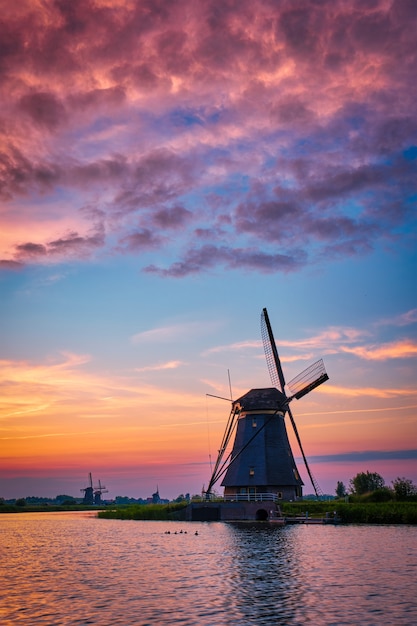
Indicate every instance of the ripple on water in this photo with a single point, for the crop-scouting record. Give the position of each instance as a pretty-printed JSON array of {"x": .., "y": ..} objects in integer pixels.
[{"x": 75, "y": 569}]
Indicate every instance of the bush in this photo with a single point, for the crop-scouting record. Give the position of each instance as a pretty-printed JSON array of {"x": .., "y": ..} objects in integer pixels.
[
  {"x": 378, "y": 513},
  {"x": 379, "y": 495},
  {"x": 404, "y": 488}
]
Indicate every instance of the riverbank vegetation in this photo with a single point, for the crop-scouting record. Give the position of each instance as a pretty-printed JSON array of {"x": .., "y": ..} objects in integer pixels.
[
  {"x": 347, "y": 512},
  {"x": 44, "y": 508},
  {"x": 165, "y": 512},
  {"x": 355, "y": 512}
]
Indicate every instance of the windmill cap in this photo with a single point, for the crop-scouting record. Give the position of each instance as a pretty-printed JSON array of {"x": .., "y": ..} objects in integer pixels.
[{"x": 261, "y": 399}]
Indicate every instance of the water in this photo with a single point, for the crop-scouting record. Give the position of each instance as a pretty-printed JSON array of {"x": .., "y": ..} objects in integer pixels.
[{"x": 72, "y": 568}]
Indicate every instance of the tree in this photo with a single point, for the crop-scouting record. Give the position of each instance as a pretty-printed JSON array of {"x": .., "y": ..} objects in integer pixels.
[
  {"x": 365, "y": 482},
  {"x": 64, "y": 498},
  {"x": 340, "y": 489},
  {"x": 404, "y": 487}
]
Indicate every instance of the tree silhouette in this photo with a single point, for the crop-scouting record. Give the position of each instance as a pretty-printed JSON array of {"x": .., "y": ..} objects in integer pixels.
[
  {"x": 404, "y": 487},
  {"x": 340, "y": 489},
  {"x": 365, "y": 482}
]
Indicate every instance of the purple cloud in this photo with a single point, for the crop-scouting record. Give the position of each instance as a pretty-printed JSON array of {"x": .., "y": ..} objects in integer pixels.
[
  {"x": 274, "y": 125},
  {"x": 43, "y": 108},
  {"x": 174, "y": 217},
  {"x": 202, "y": 259},
  {"x": 27, "y": 250},
  {"x": 139, "y": 240}
]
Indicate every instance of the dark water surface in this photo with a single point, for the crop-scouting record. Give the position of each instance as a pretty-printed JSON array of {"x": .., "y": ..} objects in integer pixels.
[{"x": 72, "y": 568}]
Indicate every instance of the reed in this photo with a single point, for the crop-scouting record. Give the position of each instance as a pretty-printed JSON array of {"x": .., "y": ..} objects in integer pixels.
[{"x": 144, "y": 511}]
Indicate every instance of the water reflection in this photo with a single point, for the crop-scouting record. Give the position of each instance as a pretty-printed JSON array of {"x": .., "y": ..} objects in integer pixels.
[
  {"x": 75, "y": 569},
  {"x": 263, "y": 587}
]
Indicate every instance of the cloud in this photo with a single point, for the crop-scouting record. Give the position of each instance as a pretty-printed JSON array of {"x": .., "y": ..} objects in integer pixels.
[
  {"x": 174, "y": 332},
  {"x": 366, "y": 455},
  {"x": 164, "y": 333},
  {"x": 276, "y": 135},
  {"x": 355, "y": 392},
  {"x": 43, "y": 108},
  {"x": 141, "y": 239},
  {"x": 7, "y": 264},
  {"x": 404, "y": 319},
  {"x": 328, "y": 339},
  {"x": 30, "y": 249},
  {"x": 337, "y": 340},
  {"x": 72, "y": 244},
  {"x": 201, "y": 259},
  {"x": 402, "y": 349},
  {"x": 169, "y": 365},
  {"x": 241, "y": 345},
  {"x": 174, "y": 217}
]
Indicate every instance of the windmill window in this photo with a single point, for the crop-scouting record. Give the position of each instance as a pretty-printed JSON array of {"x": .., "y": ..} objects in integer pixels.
[
  {"x": 251, "y": 471},
  {"x": 243, "y": 490},
  {"x": 253, "y": 422},
  {"x": 279, "y": 495}
]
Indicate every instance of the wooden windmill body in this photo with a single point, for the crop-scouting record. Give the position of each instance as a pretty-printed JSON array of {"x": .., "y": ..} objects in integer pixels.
[{"x": 266, "y": 464}]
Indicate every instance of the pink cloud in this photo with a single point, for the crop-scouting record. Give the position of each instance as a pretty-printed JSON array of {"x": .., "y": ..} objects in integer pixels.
[
  {"x": 157, "y": 110},
  {"x": 402, "y": 349}
]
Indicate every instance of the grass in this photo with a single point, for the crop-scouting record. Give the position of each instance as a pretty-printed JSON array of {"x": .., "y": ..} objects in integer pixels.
[
  {"x": 356, "y": 512},
  {"x": 145, "y": 511},
  {"x": 42, "y": 508}
]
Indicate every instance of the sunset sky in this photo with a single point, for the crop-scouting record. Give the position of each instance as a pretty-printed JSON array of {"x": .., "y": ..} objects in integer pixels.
[{"x": 168, "y": 169}]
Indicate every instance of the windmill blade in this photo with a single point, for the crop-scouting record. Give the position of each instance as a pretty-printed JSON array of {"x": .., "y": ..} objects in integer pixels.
[
  {"x": 316, "y": 487},
  {"x": 220, "y": 462},
  {"x": 271, "y": 353},
  {"x": 230, "y": 460},
  {"x": 308, "y": 380}
]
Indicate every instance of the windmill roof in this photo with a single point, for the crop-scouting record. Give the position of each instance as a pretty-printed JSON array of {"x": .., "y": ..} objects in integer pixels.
[{"x": 261, "y": 399}]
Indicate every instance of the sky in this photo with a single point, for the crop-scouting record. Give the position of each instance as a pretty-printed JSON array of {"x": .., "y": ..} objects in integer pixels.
[{"x": 169, "y": 169}]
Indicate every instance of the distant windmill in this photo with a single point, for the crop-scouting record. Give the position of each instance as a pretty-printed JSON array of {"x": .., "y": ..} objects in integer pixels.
[
  {"x": 261, "y": 462},
  {"x": 88, "y": 492},
  {"x": 92, "y": 495},
  {"x": 98, "y": 491}
]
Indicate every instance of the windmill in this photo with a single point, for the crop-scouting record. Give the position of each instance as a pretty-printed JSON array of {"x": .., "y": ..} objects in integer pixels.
[
  {"x": 92, "y": 495},
  {"x": 98, "y": 491},
  {"x": 88, "y": 492},
  {"x": 261, "y": 463}
]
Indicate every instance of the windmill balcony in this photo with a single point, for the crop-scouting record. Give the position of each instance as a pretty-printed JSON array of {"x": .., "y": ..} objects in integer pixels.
[{"x": 251, "y": 497}]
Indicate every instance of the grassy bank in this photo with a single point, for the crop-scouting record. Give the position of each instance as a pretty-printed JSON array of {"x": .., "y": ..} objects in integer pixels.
[
  {"x": 351, "y": 512},
  {"x": 356, "y": 512},
  {"x": 145, "y": 511},
  {"x": 42, "y": 508}
]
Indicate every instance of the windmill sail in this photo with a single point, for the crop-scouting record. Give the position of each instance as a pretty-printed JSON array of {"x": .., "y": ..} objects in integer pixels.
[
  {"x": 271, "y": 353},
  {"x": 308, "y": 380},
  {"x": 300, "y": 386}
]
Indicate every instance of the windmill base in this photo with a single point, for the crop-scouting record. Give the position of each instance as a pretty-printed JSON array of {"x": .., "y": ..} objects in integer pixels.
[{"x": 234, "y": 511}]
